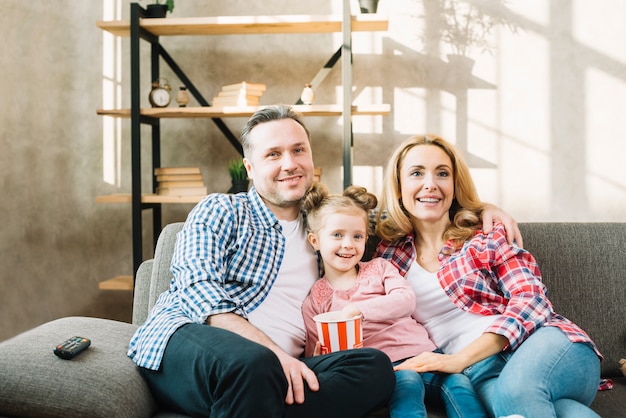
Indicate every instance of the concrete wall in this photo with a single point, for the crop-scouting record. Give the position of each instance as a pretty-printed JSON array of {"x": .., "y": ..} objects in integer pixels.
[{"x": 541, "y": 124}]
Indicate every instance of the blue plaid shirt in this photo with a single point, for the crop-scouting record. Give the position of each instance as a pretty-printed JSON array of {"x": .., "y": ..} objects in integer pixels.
[{"x": 226, "y": 259}]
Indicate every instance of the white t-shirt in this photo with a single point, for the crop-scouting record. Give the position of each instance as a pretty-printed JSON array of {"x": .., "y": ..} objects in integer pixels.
[
  {"x": 450, "y": 327},
  {"x": 280, "y": 315}
]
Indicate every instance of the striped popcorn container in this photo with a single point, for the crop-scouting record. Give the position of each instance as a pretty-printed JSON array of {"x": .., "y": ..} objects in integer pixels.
[{"x": 338, "y": 333}]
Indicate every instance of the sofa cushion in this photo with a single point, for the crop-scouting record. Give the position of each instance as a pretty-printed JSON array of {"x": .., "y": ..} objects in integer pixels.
[{"x": 100, "y": 382}]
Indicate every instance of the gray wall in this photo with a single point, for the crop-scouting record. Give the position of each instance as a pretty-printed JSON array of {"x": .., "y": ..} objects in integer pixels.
[{"x": 541, "y": 125}]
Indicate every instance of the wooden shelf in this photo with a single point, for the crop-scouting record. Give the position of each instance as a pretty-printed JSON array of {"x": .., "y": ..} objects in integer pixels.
[
  {"x": 117, "y": 283},
  {"x": 247, "y": 25},
  {"x": 237, "y": 111},
  {"x": 148, "y": 198}
]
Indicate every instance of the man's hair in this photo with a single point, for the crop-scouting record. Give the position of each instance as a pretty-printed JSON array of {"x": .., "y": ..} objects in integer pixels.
[{"x": 269, "y": 114}]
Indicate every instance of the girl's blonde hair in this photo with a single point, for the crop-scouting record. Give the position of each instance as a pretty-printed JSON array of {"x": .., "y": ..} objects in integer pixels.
[
  {"x": 393, "y": 221},
  {"x": 318, "y": 204}
]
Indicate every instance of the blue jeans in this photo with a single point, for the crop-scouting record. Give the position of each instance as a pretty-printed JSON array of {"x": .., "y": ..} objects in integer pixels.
[
  {"x": 547, "y": 376},
  {"x": 454, "y": 391}
]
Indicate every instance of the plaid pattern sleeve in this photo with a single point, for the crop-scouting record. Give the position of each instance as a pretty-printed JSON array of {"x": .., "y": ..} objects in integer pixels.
[{"x": 220, "y": 264}]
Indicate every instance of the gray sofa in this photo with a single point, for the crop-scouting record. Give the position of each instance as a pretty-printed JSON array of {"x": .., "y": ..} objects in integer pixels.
[{"x": 583, "y": 266}]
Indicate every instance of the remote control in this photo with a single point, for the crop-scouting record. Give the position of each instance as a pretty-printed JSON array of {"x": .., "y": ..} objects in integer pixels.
[{"x": 70, "y": 348}]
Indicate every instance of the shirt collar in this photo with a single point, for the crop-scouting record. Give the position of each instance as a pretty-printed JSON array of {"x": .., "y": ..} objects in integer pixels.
[{"x": 266, "y": 216}]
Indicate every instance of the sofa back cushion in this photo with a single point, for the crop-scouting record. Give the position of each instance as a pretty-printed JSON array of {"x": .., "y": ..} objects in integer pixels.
[
  {"x": 584, "y": 268},
  {"x": 582, "y": 264}
]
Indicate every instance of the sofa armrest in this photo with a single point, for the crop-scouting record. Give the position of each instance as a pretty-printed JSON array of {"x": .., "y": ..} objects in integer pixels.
[{"x": 142, "y": 292}]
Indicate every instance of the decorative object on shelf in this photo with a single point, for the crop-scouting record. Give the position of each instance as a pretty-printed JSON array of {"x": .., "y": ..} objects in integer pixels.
[
  {"x": 238, "y": 176},
  {"x": 368, "y": 6},
  {"x": 159, "y": 9},
  {"x": 182, "y": 98},
  {"x": 239, "y": 94},
  {"x": 308, "y": 95},
  {"x": 160, "y": 94}
]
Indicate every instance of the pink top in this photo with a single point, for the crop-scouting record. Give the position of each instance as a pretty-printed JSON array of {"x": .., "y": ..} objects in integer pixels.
[{"x": 386, "y": 300}]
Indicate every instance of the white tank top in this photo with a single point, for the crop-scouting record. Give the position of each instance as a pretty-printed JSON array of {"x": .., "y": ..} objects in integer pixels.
[
  {"x": 450, "y": 327},
  {"x": 280, "y": 316}
]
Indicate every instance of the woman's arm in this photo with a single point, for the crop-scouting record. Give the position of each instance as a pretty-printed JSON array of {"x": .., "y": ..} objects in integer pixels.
[{"x": 481, "y": 348}]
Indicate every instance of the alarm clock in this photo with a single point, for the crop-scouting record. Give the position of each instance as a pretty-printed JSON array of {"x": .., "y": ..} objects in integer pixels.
[{"x": 160, "y": 94}]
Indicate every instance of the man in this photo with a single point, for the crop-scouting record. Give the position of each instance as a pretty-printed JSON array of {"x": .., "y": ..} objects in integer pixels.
[{"x": 226, "y": 339}]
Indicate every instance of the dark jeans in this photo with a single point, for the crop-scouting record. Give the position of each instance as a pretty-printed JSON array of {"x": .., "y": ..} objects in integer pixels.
[{"x": 211, "y": 372}]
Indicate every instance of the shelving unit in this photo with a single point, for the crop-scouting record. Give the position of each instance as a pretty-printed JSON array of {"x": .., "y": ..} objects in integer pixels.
[{"x": 139, "y": 28}]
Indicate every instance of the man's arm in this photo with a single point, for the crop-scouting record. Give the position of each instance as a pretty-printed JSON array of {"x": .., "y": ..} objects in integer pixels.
[
  {"x": 295, "y": 371},
  {"x": 491, "y": 213}
]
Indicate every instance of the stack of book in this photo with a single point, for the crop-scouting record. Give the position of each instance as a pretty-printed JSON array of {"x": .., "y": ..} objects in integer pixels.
[
  {"x": 239, "y": 94},
  {"x": 180, "y": 181},
  {"x": 317, "y": 174}
]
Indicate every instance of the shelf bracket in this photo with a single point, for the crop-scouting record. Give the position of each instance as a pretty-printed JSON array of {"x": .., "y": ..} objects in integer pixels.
[{"x": 198, "y": 96}]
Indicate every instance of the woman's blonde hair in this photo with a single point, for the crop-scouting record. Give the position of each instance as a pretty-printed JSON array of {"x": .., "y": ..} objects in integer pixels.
[
  {"x": 318, "y": 204},
  {"x": 393, "y": 221}
]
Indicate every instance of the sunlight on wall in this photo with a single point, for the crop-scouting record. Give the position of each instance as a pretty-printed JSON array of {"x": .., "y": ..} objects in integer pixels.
[
  {"x": 111, "y": 96},
  {"x": 604, "y": 136}
]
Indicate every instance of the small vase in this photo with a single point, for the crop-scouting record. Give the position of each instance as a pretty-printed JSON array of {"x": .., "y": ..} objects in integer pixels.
[
  {"x": 308, "y": 95},
  {"x": 182, "y": 98}
]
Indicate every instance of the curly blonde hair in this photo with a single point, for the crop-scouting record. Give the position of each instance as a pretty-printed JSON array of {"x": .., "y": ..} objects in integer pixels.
[{"x": 393, "y": 221}]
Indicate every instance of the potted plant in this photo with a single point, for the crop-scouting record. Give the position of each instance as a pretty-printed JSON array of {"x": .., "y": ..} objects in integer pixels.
[
  {"x": 465, "y": 26},
  {"x": 368, "y": 6},
  {"x": 238, "y": 176},
  {"x": 159, "y": 8}
]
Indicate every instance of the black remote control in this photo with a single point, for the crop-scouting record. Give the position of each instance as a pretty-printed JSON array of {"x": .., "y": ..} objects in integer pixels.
[{"x": 71, "y": 347}]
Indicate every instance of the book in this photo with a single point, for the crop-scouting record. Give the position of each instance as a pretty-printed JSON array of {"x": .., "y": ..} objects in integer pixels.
[
  {"x": 179, "y": 177},
  {"x": 317, "y": 174},
  {"x": 236, "y": 94},
  {"x": 222, "y": 101},
  {"x": 181, "y": 191},
  {"x": 244, "y": 85},
  {"x": 176, "y": 170},
  {"x": 171, "y": 184}
]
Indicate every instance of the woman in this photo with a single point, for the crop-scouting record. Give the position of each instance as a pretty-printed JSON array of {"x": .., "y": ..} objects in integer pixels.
[{"x": 480, "y": 298}]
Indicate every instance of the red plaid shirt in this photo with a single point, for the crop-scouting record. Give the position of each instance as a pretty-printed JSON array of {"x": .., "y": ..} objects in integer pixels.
[{"x": 488, "y": 276}]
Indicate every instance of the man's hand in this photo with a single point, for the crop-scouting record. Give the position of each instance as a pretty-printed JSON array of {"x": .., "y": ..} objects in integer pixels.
[
  {"x": 297, "y": 373},
  {"x": 491, "y": 213}
]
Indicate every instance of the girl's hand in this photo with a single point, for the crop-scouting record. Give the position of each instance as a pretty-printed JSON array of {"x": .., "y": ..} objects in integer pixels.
[{"x": 350, "y": 311}]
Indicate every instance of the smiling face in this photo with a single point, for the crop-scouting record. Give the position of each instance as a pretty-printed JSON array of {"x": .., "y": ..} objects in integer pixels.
[
  {"x": 280, "y": 163},
  {"x": 341, "y": 240},
  {"x": 427, "y": 183}
]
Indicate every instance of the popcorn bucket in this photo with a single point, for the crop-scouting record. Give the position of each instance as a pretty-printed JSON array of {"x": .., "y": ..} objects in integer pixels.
[{"x": 336, "y": 332}]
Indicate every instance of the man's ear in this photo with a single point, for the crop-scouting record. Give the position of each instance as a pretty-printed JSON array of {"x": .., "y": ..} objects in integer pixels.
[
  {"x": 248, "y": 166},
  {"x": 313, "y": 240}
]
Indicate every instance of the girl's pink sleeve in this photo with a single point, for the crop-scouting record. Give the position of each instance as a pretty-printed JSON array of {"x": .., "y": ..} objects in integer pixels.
[
  {"x": 308, "y": 312},
  {"x": 396, "y": 298}
]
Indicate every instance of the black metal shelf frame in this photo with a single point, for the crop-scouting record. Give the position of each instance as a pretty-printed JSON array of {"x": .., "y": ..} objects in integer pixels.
[{"x": 137, "y": 33}]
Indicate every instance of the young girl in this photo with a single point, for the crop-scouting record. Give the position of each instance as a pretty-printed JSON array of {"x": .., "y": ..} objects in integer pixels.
[{"x": 338, "y": 230}]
